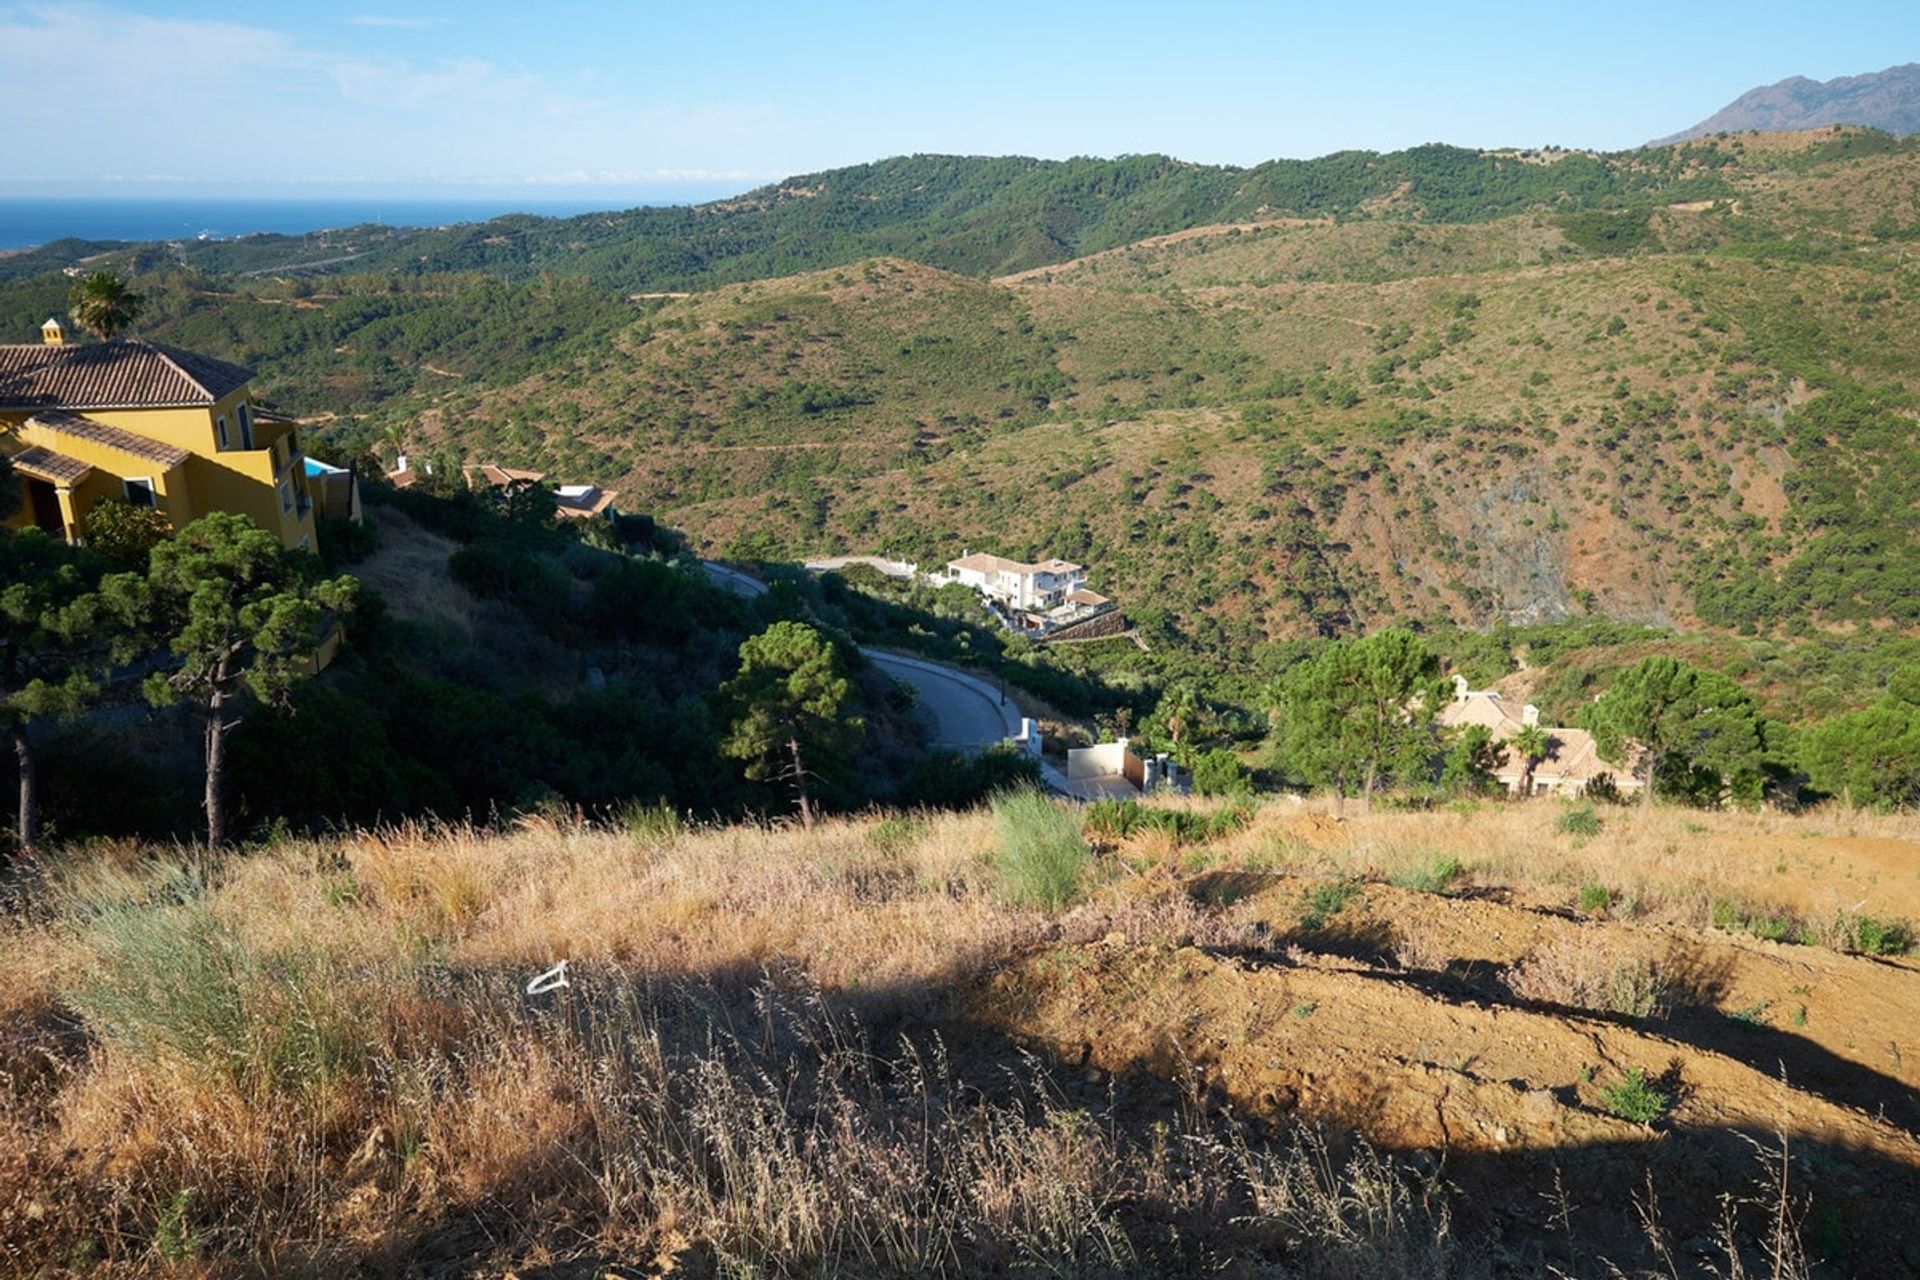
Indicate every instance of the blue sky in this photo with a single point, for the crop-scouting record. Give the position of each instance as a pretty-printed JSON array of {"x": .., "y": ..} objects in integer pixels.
[{"x": 648, "y": 100}]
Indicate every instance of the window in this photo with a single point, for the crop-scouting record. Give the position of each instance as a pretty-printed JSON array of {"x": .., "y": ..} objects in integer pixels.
[
  {"x": 286, "y": 495},
  {"x": 246, "y": 425},
  {"x": 139, "y": 493},
  {"x": 220, "y": 431}
]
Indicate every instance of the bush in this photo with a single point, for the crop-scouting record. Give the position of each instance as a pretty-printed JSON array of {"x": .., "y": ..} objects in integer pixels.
[
  {"x": 1635, "y": 1098},
  {"x": 1436, "y": 875},
  {"x": 1579, "y": 821},
  {"x": 1111, "y": 821},
  {"x": 1870, "y": 936},
  {"x": 1219, "y": 772},
  {"x": 344, "y": 542},
  {"x": 1595, "y": 899},
  {"x": 960, "y": 780},
  {"x": 1042, "y": 855},
  {"x": 1586, "y": 971},
  {"x": 1739, "y": 917}
]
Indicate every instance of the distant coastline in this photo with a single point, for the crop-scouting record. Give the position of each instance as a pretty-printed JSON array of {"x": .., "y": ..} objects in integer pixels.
[{"x": 28, "y": 221}]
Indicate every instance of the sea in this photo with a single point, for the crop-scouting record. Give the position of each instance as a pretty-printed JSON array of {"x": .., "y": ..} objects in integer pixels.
[{"x": 26, "y": 221}]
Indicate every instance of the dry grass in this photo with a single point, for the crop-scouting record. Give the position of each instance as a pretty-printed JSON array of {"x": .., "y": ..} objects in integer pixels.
[
  {"x": 1666, "y": 865},
  {"x": 321, "y": 1056}
]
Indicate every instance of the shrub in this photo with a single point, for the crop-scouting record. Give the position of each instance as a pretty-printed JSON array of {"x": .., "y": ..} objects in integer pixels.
[
  {"x": 344, "y": 542},
  {"x": 1219, "y": 772},
  {"x": 1585, "y": 971},
  {"x": 1636, "y": 1098},
  {"x": 961, "y": 780},
  {"x": 1436, "y": 875},
  {"x": 1870, "y": 936},
  {"x": 1579, "y": 821},
  {"x": 1323, "y": 902},
  {"x": 1111, "y": 821},
  {"x": 1595, "y": 899},
  {"x": 1042, "y": 855},
  {"x": 1739, "y": 917}
]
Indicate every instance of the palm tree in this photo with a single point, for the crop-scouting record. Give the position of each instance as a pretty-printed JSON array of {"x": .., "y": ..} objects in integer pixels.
[
  {"x": 1533, "y": 743},
  {"x": 103, "y": 305}
]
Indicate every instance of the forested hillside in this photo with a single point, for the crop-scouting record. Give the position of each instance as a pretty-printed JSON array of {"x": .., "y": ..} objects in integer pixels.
[
  {"x": 972, "y": 214},
  {"x": 1444, "y": 388}
]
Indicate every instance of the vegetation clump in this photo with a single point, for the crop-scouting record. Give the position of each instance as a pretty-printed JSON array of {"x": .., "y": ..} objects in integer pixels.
[
  {"x": 1635, "y": 1098},
  {"x": 1436, "y": 874},
  {"x": 1580, "y": 821},
  {"x": 1040, "y": 855}
]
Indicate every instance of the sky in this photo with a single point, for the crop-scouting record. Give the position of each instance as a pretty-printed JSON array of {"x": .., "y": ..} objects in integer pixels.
[{"x": 650, "y": 101}]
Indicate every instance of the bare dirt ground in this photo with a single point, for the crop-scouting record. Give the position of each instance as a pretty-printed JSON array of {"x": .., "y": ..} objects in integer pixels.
[{"x": 1471, "y": 1027}]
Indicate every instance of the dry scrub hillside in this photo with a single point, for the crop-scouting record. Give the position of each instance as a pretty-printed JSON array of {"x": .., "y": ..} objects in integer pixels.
[
  {"x": 1257, "y": 1043},
  {"x": 1298, "y": 425}
]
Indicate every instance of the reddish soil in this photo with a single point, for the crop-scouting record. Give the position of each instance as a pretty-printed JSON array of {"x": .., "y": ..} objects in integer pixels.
[{"x": 1394, "y": 1020}]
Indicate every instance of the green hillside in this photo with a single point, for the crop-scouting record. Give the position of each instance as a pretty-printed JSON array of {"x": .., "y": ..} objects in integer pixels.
[
  {"x": 980, "y": 215},
  {"x": 1450, "y": 388}
]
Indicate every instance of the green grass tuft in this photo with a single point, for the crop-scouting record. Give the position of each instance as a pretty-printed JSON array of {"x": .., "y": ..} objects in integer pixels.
[
  {"x": 1322, "y": 903},
  {"x": 1579, "y": 821},
  {"x": 1042, "y": 856},
  {"x": 1438, "y": 874}
]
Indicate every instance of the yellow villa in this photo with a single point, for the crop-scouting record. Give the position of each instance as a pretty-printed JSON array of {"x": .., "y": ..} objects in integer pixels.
[{"x": 146, "y": 424}]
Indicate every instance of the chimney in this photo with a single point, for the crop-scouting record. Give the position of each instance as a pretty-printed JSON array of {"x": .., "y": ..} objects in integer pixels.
[
  {"x": 52, "y": 334},
  {"x": 1459, "y": 688},
  {"x": 400, "y": 462},
  {"x": 1530, "y": 715}
]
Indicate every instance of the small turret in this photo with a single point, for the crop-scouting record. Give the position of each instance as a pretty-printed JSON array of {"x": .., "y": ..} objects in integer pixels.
[{"x": 52, "y": 333}]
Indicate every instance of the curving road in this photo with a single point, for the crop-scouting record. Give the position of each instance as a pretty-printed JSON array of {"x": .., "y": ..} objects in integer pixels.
[{"x": 967, "y": 713}]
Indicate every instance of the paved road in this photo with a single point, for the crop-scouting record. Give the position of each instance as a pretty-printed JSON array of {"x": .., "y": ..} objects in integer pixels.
[{"x": 967, "y": 712}]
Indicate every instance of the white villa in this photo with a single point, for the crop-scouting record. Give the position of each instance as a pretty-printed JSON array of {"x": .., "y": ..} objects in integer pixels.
[
  {"x": 1572, "y": 760},
  {"x": 1032, "y": 587}
]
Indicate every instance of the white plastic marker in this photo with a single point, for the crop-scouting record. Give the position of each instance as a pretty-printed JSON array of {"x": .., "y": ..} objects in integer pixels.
[{"x": 551, "y": 980}]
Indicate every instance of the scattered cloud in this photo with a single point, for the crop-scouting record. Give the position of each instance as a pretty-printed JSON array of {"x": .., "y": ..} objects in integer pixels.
[{"x": 274, "y": 107}]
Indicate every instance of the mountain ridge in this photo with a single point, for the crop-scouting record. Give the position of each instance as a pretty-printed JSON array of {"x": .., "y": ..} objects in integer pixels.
[{"x": 1887, "y": 99}]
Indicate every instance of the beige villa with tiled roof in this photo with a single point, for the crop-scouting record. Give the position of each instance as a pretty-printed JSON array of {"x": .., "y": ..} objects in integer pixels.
[
  {"x": 1015, "y": 583},
  {"x": 1572, "y": 761},
  {"x": 133, "y": 421}
]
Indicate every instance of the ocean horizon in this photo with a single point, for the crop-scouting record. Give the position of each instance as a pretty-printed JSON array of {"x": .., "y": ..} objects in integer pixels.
[{"x": 27, "y": 221}]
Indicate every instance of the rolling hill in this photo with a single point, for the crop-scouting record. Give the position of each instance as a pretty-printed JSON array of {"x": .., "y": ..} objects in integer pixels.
[
  {"x": 1299, "y": 425},
  {"x": 1524, "y": 396}
]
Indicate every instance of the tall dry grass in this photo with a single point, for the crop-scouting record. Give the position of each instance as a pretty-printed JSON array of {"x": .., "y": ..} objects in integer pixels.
[{"x": 322, "y": 1057}]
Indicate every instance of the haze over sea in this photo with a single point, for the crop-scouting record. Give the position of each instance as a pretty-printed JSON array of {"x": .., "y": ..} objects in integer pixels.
[{"x": 31, "y": 220}]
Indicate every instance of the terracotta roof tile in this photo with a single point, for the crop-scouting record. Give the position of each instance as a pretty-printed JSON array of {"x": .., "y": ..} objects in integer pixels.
[
  {"x": 127, "y": 373},
  {"x": 54, "y": 468},
  {"x": 128, "y": 442}
]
